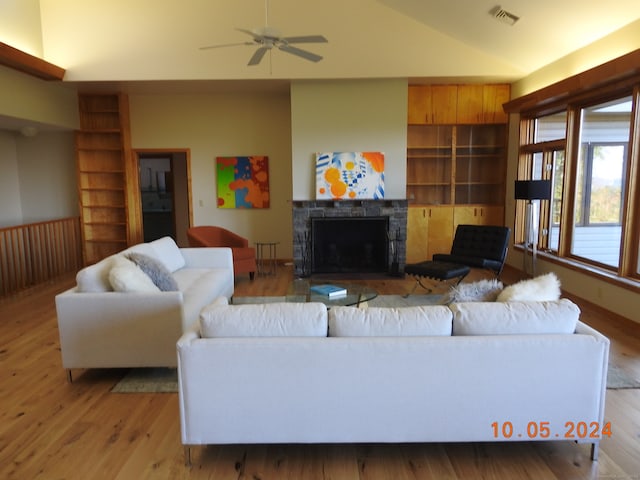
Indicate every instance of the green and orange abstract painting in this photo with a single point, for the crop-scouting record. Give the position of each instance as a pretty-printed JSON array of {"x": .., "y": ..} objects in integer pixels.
[{"x": 243, "y": 182}]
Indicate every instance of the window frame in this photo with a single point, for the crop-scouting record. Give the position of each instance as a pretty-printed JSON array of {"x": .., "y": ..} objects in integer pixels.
[{"x": 627, "y": 273}]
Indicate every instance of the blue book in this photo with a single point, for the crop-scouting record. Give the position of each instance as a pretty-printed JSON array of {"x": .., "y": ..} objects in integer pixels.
[{"x": 328, "y": 290}]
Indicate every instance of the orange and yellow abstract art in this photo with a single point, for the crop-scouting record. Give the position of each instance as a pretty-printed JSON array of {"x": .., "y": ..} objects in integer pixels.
[
  {"x": 243, "y": 182},
  {"x": 350, "y": 175}
]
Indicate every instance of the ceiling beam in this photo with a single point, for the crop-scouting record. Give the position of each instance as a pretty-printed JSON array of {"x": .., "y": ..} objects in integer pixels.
[{"x": 23, "y": 62}]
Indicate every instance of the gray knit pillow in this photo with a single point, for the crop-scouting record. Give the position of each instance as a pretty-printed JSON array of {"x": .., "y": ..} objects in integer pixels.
[{"x": 157, "y": 272}]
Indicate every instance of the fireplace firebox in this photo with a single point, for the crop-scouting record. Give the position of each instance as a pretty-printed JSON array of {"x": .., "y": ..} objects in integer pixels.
[{"x": 349, "y": 244}]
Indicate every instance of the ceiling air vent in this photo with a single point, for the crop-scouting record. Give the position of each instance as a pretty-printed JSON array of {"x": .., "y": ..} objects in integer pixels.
[{"x": 503, "y": 16}]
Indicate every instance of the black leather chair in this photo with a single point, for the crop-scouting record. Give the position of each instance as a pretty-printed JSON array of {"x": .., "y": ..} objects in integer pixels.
[{"x": 474, "y": 246}]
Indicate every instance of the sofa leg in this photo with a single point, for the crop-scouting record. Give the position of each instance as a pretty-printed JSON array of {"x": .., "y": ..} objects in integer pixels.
[
  {"x": 252, "y": 275},
  {"x": 595, "y": 449},
  {"x": 69, "y": 376},
  {"x": 187, "y": 456}
]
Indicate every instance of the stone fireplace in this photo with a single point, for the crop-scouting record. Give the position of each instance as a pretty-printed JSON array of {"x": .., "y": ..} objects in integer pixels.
[{"x": 350, "y": 236}]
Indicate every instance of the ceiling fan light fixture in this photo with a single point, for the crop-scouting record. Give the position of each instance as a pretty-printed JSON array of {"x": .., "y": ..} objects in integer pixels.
[{"x": 504, "y": 16}]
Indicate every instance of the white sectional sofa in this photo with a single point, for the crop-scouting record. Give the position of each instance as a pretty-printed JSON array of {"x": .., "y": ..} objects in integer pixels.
[
  {"x": 139, "y": 325},
  {"x": 295, "y": 373}
]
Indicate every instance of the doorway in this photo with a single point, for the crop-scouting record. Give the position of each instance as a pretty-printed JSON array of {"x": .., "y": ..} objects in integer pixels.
[{"x": 165, "y": 186}]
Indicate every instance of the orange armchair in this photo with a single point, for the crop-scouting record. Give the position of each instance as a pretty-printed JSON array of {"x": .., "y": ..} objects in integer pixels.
[{"x": 244, "y": 257}]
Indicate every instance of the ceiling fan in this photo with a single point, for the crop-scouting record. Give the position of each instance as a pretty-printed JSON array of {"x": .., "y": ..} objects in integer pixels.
[{"x": 267, "y": 38}]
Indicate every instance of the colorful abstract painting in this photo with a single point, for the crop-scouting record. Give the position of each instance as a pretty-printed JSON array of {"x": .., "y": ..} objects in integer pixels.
[
  {"x": 350, "y": 175},
  {"x": 243, "y": 182}
]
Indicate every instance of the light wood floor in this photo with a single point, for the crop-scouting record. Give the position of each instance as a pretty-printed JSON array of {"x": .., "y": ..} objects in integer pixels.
[{"x": 51, "y": 429}]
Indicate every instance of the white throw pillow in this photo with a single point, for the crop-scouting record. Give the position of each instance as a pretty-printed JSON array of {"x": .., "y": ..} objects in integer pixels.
[
  {"x": 264, "y": 320},
  {"x": 545, "y": 288},
  {"x": 167, "y": 251},
  {"x": 390, "y": 322},
  {"x": 514, "y": 318},
  {"x": 125, "y": 276}
]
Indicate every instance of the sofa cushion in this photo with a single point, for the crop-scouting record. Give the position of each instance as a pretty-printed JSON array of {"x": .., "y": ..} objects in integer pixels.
[
  {"x": 125, "y": 276},
  {"x": 95, "y": 278},
  {"x": 544, "y": 288},
  {"x": 390, "y": 322},
  {"x": 264, "y": 320},
  {"x": 200, "y": 287},
  {"x": 168, "y": 253},
  {"x": 157, "y": 272},
  {"x": 510, "y": 318}
]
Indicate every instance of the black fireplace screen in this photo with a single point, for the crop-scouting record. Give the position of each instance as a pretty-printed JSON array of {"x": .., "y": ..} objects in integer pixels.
[{"x": 349, "y": 244}]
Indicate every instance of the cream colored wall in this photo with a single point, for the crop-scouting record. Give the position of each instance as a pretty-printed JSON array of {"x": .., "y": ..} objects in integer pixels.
[
  {"x": 36, "y": 101},
  {"x": 11, "y": 211},
  {"x": 211, "y": 125},
  {"x": 609, "y": 296},
  {"x": 620, "y": 42},
  {"x": 47, "y": 176},
  {"x": 20, "y": 25},
  {"x": 38, "y": 177},
  {"x": 349, "y": 115}
]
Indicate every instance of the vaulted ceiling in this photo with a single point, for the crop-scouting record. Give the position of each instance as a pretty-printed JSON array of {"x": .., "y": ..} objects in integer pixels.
[{"x": 124, "y": 40}]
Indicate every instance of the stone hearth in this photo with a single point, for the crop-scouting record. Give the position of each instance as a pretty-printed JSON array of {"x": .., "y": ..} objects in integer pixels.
[{"x": 303, "y": 211}]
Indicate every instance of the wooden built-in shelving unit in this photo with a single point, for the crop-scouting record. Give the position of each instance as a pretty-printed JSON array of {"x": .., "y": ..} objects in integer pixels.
[{"x": 107, "y": 177}]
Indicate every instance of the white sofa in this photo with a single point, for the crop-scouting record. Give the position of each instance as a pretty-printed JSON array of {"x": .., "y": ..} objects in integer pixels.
[
  {"x": 465, "y": 373},
  {"x": 103, "y": 328}
]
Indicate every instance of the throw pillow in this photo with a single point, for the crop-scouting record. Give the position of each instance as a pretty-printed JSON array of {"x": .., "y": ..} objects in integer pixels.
[
  {"x": 545, "y": 288},
  {"x": 157, "y": 272},
  {"x": 480, "y": 291},
  {"x": 125, "y": 276}
]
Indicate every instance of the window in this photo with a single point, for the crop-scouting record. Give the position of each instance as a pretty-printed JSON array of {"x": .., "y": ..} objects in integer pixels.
[
  {"x": 601, "y": 165},
  {"x": 591, "y": 182}
]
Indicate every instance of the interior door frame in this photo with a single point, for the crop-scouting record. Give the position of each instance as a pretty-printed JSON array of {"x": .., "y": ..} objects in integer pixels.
[{"x": 171, "y": 153}]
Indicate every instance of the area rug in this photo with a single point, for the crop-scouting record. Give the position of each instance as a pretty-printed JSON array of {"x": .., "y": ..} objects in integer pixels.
[
  {"x": 148, "y": 380},
  {"x": 618, "y": 379},
  {"x": 165, "y": 380}
]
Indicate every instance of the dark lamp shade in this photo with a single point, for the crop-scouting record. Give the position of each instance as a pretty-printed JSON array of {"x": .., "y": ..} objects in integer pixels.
[{"x": 533, "y": 189}]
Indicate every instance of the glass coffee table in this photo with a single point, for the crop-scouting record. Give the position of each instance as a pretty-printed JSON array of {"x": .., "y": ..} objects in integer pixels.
[{"x": 300, "y": 291}]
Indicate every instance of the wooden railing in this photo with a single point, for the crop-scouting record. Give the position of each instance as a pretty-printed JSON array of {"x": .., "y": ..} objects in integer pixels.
[{"x": 37, "y": 252}]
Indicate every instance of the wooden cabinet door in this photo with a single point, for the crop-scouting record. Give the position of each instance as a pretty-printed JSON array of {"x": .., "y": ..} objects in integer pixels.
[
  {"x": 493, "y": 98},
  {"x": 470, "y": 100},
  {"x": 478, "y": 215},
  {"x": 416, "y": 235},
  {"x": 419, "y": 106},
  {"x": 439, "y": 230},
  {"x": 444, "y": 101}
]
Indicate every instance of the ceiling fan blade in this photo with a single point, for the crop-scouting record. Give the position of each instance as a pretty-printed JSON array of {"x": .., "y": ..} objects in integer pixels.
[
  {"x": 226, "y": 45},
  {"x": 257, "y": 56},
  {"x": 306, "y": 39},
  {"x": 256, "y": 37},
  {"x": 300, "y": 53}
]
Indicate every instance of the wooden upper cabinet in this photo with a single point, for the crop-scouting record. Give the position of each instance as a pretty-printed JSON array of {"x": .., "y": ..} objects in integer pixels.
[
  {"x": 482, "y": 104},
  {"x": 470, "y": 100},
  {"x": 493, "y": 97},
  {"x": 419, "y": 107},
  {"x": 432, "y": 104},
  {"x": 457, "y": 104}
]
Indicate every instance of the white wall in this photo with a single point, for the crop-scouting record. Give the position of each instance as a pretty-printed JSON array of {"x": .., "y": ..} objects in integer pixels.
[
  {"x": 223, "y": 124},
  {"x": 349, "y": 116}
]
